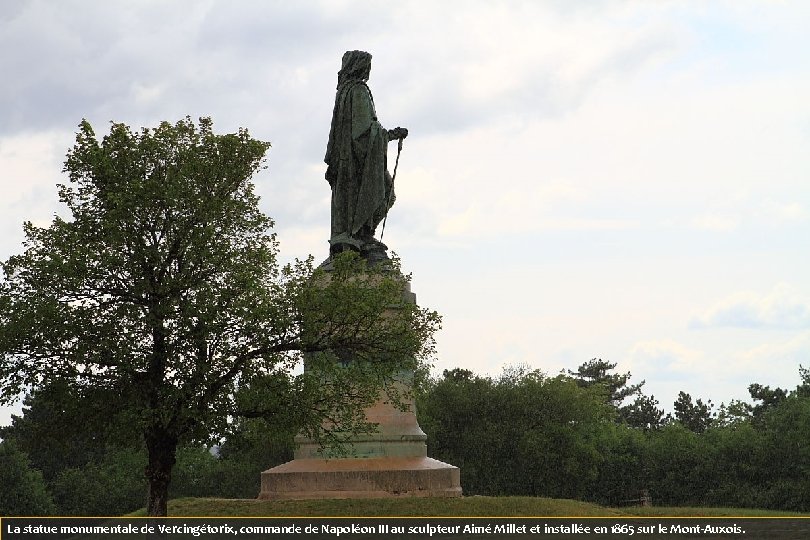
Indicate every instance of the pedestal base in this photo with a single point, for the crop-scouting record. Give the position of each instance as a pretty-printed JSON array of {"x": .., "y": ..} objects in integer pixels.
[
  {"x": 350, "y": 478},
  {"x": 389, "y": 462}
]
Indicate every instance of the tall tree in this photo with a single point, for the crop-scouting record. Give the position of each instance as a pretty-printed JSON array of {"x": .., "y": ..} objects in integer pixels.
[
  {"x": 23, "y": 492},
  {"x": 803, "y": 390},
  {"x": 60, "y": 430},
  {"x": 767, "y": 397},
  {"x": 643, "y": 413},
  {"x": 597, "y": 372},
  {"x": 162, "y": 289},
  {"x": 695, "y": 416}
]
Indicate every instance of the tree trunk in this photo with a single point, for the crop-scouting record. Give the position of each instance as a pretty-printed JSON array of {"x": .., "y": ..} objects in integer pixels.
[{"x": 162, "y": 449}]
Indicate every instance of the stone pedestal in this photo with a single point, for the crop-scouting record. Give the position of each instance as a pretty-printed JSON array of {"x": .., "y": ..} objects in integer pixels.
[
  {"x": 391, "y": 462},
  {"x": 349, "y": 478}
]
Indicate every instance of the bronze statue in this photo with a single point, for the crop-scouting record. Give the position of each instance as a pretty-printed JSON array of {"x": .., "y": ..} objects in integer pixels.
[{"x": 356, "y": 158}]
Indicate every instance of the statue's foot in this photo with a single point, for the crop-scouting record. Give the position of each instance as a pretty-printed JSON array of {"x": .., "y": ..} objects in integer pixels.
[
  {"x": 371, "y": 249},
  {"x": 374, "y": 252},
  {"x": 372, "y": 244},
  {"x": 343, "y": 242},
  {"x": 337, "y": 249}
]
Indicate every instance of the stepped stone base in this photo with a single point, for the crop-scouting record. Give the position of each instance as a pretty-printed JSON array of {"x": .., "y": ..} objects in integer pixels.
[
  {"x": 349, "y": 478},
  {"x": 390, "y": 462}
]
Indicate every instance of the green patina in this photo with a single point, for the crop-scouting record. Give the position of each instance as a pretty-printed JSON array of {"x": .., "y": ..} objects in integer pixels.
[{"x": 356, "y": 156}]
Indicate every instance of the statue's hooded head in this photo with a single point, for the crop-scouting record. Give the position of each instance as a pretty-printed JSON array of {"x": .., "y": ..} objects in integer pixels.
[{"x": 356, "y": 66}]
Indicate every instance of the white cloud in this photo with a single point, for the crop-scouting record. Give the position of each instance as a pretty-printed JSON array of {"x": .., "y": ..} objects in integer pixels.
[
  {"x": 711, "y": 222},
  {"x": 792, "y": 351},
  {"x": 462, "y": 223},
  {"x": 744, "y": 210},
  {"x": 782, "y": 308},
  {"x": 521, "y": 61},
  {"x": 777, "y": 361},
  {"x": 29, "y": 159},
  {"x": 492, "y": 210},
  {"x": 665, "y": 356},
  {"x": 778, "y": 213},
  {"x": 30, "y": 166},
  {"x": 147, "y": 93},
  {"x": 669, "y": 366},
  {"x": 299, "y": 242}
]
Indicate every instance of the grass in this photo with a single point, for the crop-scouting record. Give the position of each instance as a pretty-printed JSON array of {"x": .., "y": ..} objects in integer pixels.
[
  {"x": 685, "y": 511},
  {"x": 438, "y": 507}
]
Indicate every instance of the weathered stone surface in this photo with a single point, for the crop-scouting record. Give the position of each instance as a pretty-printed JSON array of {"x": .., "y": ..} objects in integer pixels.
[
  {"x": 398, "y": 435},
  {"x": 349, "y": 478},
  {"x": 392, "y": 462}
]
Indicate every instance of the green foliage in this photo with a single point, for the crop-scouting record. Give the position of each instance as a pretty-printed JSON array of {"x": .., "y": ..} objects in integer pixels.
[
  {"x": 675, "y": 458},
  {"x": 803, "y": 390},
  {"x": 451, "y": 507},
  {"x": 235, "y": 470},
  {"x": 737, "y": 467},
  {"x": 623, "y": 472},
  {"x": 114, "y": 484},
  {"x": 697, "y": 416},
  {"x": 643, "y": 413},
  {"x": 160, "y": 299},
  {"x": 23, "y": 490},
  {"x": 597, "y": 372},
  {"x": 61, "y": 428},
  {"x": 252, "y": 446},
  {"x": 111, "y": 486},
  {"x": 528, "y": 434},
  {"x": 736, "y": 413},
  {"x": 767, "y": 398},
  {"x": 522, "y": 434},
  {"x": 786, "y": 432},
  {"x": 152, "y": 285}
]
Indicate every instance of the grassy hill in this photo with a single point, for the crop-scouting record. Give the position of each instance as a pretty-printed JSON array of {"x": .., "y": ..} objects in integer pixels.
[{"x": 463, "y": 506}]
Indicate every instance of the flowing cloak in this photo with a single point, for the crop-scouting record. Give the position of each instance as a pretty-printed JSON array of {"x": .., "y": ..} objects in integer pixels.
[{"x": 362, "y": 189}]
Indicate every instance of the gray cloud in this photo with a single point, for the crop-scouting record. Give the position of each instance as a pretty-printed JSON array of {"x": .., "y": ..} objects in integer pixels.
[
  {"x": 73, "y": 59},
  {"x": 780, "y": 309},
  {"x": 11, "y": 9}
]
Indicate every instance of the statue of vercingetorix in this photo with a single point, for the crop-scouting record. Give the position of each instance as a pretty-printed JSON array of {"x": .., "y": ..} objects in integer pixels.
[{"x": 356, "y": 158}]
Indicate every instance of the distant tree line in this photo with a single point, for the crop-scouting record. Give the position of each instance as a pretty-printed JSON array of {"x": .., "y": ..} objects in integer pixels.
[
  {"x": 586, "y": 434},
  {"x": 572, "y": 436},
  {"x": 51, "y": 463}
]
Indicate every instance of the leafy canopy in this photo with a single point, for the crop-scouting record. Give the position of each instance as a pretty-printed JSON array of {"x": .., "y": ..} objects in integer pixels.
[{"x": 162, "y": 292}]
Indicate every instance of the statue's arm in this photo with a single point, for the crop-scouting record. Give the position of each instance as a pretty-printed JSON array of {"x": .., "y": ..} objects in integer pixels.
[{"x": 364, "y": 117}]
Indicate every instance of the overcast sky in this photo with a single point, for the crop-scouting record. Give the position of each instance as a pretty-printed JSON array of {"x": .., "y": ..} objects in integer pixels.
[{"x": 621, "y": 180}]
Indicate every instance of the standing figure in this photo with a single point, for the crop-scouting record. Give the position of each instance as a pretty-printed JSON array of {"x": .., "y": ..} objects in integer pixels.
[{"x": 356, "y": 158}]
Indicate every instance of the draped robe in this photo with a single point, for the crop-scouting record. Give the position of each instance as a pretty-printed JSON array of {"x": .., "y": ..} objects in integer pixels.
[{"x": 356, "y": 158}]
